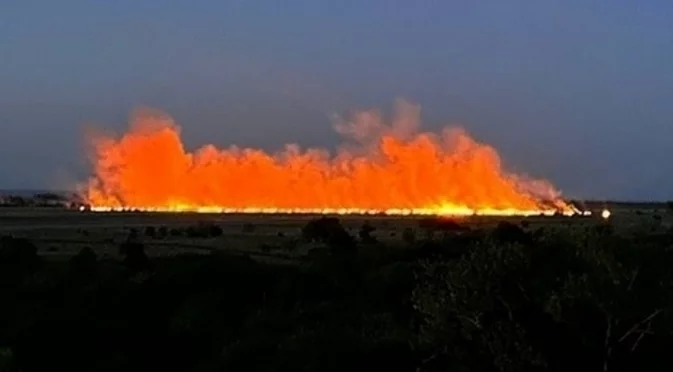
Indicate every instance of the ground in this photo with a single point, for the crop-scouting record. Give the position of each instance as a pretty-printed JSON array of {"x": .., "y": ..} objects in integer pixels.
[
  {"x": 60, "y": 232},
  {"x": 216, "y": 292}
]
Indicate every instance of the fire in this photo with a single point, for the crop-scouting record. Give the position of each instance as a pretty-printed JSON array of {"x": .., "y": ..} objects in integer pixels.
[{"x": 389, "y": 169}]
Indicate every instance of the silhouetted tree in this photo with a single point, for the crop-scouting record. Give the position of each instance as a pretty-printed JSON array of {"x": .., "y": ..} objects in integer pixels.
[
  {"x": 248, "y": 228},
  {"x": 18, "y": 256},
  {"x": 150, "y": 231},
  {"x": 215, "y": 230},
  {"x": 321, "y": 229},
  {"x": 16, "y": 201},
  {"x": 329, "y": 230},
  {"x": 507, "y": 232},
  {"x": 83, "y": 265},
  {"x": 365, "y": 233},
  {"x": 135, "y": 257},
  {"x": 442, "y": 224},
  {"x": 409, "y": 235},
  {"x": 17, "y": 251}
]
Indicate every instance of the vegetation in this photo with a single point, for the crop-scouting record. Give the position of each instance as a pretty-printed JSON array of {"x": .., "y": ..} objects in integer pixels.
[{"x": 445, "y": 297}]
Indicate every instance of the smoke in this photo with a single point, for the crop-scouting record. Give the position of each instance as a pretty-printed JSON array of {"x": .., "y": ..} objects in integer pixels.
[{"x": 383, "y": 164}]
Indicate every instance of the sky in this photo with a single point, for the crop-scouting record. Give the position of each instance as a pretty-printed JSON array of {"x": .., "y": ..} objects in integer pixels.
[{"x": 576, "y": 91}]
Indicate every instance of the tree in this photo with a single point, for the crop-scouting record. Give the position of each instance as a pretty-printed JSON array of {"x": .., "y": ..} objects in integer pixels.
[{"x": 365, "y": 233}]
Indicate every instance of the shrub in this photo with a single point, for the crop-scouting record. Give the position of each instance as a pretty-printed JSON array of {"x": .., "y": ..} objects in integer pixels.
[
  {"x": 322, "y": 229},
  {"x": 17, "y": 252},
  {"x": 135, "y": 257},
  {"x": 215, "y": 230},
  {"x": 507, "y": 232},
  {"x": 441, "y": 224},
  {"x": 83, "y": 264},
  {"x": 150, "y": 231},
  {"x": 365, "y": 233},
  {"x": 409, "y": 235},
  {"x": 248, "y": 228},
  {"x": 18, "y": 257},
  {"x": 329, "y": 230}
]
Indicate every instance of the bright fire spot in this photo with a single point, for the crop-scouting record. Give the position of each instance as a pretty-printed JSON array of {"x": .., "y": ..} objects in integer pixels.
[
  {"x": 605, "y": 214},
  {"x": 388, "y": 169}
]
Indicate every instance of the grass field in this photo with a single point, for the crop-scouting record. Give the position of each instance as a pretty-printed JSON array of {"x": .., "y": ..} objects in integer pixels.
[
  {"x": 217, "y": 292},
  {"x": 61, "y": 232}
]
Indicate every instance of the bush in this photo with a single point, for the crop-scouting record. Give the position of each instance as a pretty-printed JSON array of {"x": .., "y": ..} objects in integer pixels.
[
  {"x": 365, "y": 233},
  {"x": 215, "y": 230},
  {"x": 442, "y": 224},
  {"x": 322, "y": 229},
  {"x": 18, "y": 258},
  {"x": 17, "y": 252},
  {"x": 409, "y": 235},
  {"x": 204, "y": 230},
  {"x": 150, "y": 231},
  {"x": 83, "y": 264},
  {"x": 248, "y": 228},
  {"x": 329, "y": 230},
  {"x": 507, "y": 232},
  {"x": 135, "y": 257}
]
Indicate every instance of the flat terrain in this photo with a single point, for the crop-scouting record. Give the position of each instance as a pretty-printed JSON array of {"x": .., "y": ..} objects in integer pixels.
[
  {"x": 60, "y": 232},
  {"x": 549, "y": 299}
]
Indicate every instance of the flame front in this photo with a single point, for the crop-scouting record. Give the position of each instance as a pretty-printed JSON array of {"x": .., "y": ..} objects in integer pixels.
[{"x": 389, "y": 168}]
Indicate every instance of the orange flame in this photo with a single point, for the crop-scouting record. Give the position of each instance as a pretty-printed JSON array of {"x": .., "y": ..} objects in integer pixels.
[{"x": 392, "y": 169}]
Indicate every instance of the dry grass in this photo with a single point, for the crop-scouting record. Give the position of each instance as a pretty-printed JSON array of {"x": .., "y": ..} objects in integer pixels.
[{"x": 59, "y": 232}]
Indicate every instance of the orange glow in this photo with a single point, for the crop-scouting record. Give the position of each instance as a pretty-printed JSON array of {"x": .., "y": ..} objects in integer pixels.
[{"x": 389, "y": 169}]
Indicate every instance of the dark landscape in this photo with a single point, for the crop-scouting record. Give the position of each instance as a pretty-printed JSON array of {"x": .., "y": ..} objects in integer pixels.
[{"x": 140, "y": 291}]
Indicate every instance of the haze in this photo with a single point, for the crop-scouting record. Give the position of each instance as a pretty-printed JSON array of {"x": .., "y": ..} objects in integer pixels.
[{"x": 577, "y": 92}]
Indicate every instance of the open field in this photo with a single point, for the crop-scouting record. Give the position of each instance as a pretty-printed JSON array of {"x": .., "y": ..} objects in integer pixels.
[
  {"x": 91, "y": 291},
  {"x": 58, "y": 232},
  {"x": 53, "y": 225}
]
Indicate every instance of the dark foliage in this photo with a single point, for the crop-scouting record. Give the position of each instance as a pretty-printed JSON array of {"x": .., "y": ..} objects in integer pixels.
[
  {"x": 558, "y": 299},
  {"x": 365, "y": 233},
  {"x": 248, "y": 228},
  {"x": 442, "y": 225},
  {"x": 507, "y": 232},
  {"x": 135, "y": 257},
  {"x": 150, "y": 231},
  {"x": 328, "y": 230},
  {"x": 204, "y": 230},
  {"x": 409, "y": 235},
  {"x": 83, "y": 266}
]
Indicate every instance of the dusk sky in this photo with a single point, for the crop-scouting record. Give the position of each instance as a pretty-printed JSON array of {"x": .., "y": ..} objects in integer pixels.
[{"x": 579, "y": 92}]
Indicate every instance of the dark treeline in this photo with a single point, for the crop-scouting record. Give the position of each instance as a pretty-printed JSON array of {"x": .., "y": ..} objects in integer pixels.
[
  {"x": 450, "y": 299},
  {"x": 40, "y": 199}
]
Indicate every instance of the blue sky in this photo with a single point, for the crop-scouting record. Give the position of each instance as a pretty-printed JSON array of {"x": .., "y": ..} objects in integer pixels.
[{"x": 579, "y": 92}]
